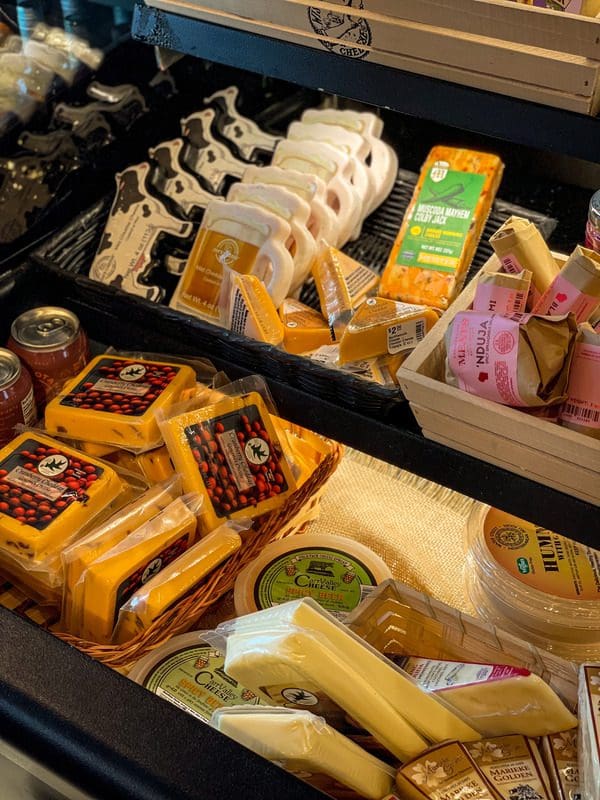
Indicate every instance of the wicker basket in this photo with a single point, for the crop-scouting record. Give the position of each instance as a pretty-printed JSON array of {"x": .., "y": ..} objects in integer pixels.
[{"x": 288, "y": 520}]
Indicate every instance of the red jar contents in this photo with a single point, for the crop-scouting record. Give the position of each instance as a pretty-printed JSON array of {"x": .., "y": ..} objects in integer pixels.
[
  {"x": 50, "y": 341},
  {"x": 17, "y": 404}
]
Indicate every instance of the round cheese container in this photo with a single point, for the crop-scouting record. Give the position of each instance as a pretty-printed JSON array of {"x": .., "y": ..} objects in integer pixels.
[
  {"x": 335, "y": 571},
  {"x": 535, "y": 583},
  {"x": 188, "y": 672}
]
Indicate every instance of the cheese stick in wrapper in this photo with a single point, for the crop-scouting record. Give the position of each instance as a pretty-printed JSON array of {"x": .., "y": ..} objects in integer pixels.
[
  {"x": 576, "y": 288},
  {"x": 521, "y": 360},
  {"x": 581, "y": 412},
  {"x": 502, "y": 292},
  {"x": 519, "y": 245}
]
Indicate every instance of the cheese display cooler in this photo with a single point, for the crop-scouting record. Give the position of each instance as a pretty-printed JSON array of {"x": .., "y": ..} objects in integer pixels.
[{"x": 299, "y": 411}]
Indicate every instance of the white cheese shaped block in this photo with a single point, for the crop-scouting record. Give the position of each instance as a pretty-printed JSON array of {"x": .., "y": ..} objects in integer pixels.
[
  {"x": 430, "y": 716},
  {"x": 305, "y": 745}
]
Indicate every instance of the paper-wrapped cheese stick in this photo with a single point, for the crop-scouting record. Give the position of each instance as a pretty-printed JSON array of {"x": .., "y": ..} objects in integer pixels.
[
  {"x": 521, "y": 360},
  {"x": 581, "y": 412},
  {"x": 576, "y": 288},
  {"x": 519, "y": 245},
  {"x": 502, "y": 292}
]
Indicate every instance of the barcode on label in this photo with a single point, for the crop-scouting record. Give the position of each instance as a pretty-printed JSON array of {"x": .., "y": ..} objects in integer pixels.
[
  {"x": 28, "y": 408},
  {"x": 405, "y": 335},
  {"x": 239, "y": 313},
  {"x": 520, "y": 300},
  {"x": 585, "y": 416},
  {"x": 511, "y": 265},
  {"x": 420, "y": 329}
]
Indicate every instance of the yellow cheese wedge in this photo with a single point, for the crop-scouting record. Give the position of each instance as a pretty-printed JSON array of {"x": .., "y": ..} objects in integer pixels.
[
  {"x": 154, "y": 465},
  {"x": 77, "y": 558},
  {"x": 49, "y": 492},
  {"x": 304, "y": 329},
  {"x": 113, "y": 401},
  {"x": 513, "y": 765},
  {"x": 427, "y": 714},
  {"x": 342, "y": 284},
  {"x": 301, "y": 743},
  {"x": 112, "y": 579},
  {"x": 385, "y": 327},
  {"x": 252, "y": 312},
  {"x": 176, "y": 580},
  {"x": 229, "y": 453}
]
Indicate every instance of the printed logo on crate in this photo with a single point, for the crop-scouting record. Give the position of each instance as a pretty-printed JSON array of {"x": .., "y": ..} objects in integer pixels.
[{"x": 342, "y": 34}]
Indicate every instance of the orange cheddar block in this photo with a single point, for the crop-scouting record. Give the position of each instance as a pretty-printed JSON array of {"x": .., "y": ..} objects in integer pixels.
[
  {"x": 113, "y": 401},
  {"x": 252, "y": 313},
  {"x": 304, "y": 329},
  {"x": 442, "y": 226}
]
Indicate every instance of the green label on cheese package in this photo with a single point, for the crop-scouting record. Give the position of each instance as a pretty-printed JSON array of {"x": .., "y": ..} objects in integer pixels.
[
  {"x": 441, "y": 219},
  {"x": 194, "y": 680},
  {"x": 334, "y": 579}
]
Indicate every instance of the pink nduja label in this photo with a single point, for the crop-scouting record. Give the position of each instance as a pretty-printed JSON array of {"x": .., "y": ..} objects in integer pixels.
[
  {"x": 561, "y": 297},
  {"x": 499, "y": 299},
  {"x": 583, "y": 402},
  {"x": 483, "y": 355}
]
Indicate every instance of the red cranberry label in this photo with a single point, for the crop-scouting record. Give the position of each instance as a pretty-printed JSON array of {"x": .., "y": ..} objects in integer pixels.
[
  {"x": 148, "y": 570},
  {"x": 237, "y": 459},
  {"x": 118, "y": 386},
  {"x": 37, "y": 483}
]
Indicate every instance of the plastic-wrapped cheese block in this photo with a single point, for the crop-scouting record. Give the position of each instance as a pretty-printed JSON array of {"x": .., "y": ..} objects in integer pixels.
[
  {"x": 498, "y": 699},
  {"x": 513, "y": 765},
  {"x": 101, "y": 539},
  {"x": 560, "y": 755},
  {"x": 114, "y": 577},
  {"x": 304, "y": 329},
  {"x": 114, "y": 401},
  {"x": 251, "y": 312},
  {"x": 589, "y": 730},
  {"x": 442, "y": 226},
  {"x": 304, "y": 744},
  {"x": 163, "y": 590},
  {"x": 428, "y": 715},
  {"x": 229, "y": 453}
]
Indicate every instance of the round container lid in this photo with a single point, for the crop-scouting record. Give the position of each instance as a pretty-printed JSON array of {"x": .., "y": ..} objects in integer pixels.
[
  {"x": 335, "y": 571},
  {"x": 10, "y": 368},
  {"x": 188, "y": 672},
  {"x": 45, "y": 328},
  {"x": 595, "y": 209}
]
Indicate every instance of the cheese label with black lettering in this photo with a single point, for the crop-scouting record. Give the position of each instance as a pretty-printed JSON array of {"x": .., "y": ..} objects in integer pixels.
[{"x": 513, "y": 766}]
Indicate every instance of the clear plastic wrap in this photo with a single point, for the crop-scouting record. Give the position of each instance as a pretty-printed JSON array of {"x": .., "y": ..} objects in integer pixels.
[
  {"x": 589, "y": 731},
  {"x": 560, "y": 754},
  {"x": 533, "y": 582},
  {"x": 77, "y": 557},
  {"x": 177, "y": 579},
  {"x": 304, "y": 744},
  {"x": 110, "y": 580}
]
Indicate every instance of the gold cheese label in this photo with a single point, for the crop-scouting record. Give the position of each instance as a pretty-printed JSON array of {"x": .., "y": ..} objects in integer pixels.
[
  {"x": 592, "y": 679},
  {"x": 510, "y": 764},
  {"x": 562, "y": 755},
  {"x": 120, "y": 386}
]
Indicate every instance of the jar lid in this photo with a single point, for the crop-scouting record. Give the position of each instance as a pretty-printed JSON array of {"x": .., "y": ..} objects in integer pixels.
[
  {"x": 45, "y": 328},
  {"x": 10, "y": 368},
  {"x": 595, "y": 209}
]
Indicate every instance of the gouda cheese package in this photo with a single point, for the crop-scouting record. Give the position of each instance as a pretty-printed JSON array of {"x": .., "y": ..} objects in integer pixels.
[
  {"x": 252, "y": 313},
  {"x": 384, "y": 327},
  {"x": 111, "y": 579},
  {"x": 77, "y": 557},
  {"x": 442, "y": 226},
  {"x": 113, "y": 401},
  {"x": 304, "y": 329},
  {"x": 342, "y": 284},
  {"x": 229, "y": 453},
  {"x": 48, "y": 493}
]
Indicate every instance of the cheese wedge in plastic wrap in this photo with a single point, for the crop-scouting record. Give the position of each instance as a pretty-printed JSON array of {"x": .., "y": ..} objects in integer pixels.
[
  {"x": 384, "y": 327},
  {"x": 499, "y": 699},
  {"x": 514, "y": 767},
  {"x": 589, "y": 731},
  {"x": 114, "y": 400},
  {"x": 114, "y": 577},
  {"x": 163, "y": 590},
  {"x": 251, "y": 312},
  {"x": 426, "y": 714},
  {"x": 101, "y": 539},
  {"x": 304, "y": 329},
  {"x": 307, "y": 746},
  {"x": 442, "y": 226}
]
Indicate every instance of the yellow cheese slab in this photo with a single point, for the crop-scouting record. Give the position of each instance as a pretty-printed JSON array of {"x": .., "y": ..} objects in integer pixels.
[
  {"x": 230, "y": 454},
  {"x": 306, "y": 746},
  {"x": 48, "y": 492},
  {"x": 112, "y": 579},
  {"x": 77, "y": 558},
  {"x": 252, "y": 312},
  {"x": 113, "y": 401},
  {"x": 383, "y": 327},
  {"x": 175, "y": 581},
  {"x": 154, "y": 465},
  {"x": 304, "y": 329}
]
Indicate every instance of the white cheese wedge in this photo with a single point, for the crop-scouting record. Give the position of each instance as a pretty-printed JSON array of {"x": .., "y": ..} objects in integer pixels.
[
  {"x": 498, "y": 699},
  {"x": 305, "y": 745},
  {"x": 425, "y": 712}
]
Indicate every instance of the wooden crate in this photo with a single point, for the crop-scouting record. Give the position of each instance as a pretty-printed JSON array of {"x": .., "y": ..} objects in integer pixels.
[
  {"x": 534, "y": 448},
  {"x": 493, "y": 45}
]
